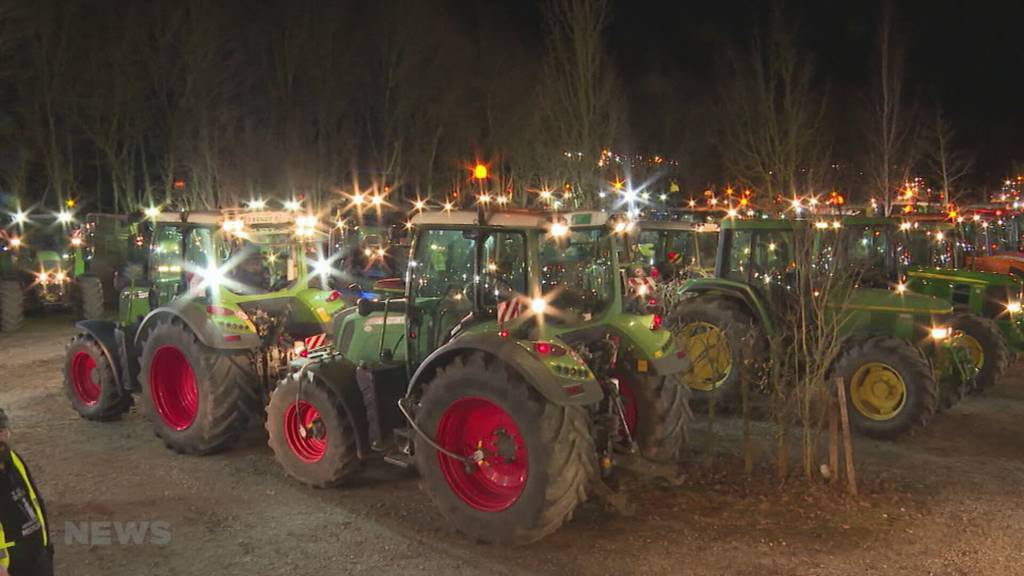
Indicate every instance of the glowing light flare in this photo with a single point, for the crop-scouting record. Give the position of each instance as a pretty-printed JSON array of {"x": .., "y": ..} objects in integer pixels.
[
  {"x": 538, "y": 305},
  {"x": 939, "y": 333},
  {"x": 20, "y": 218},
  {"x": 65, "y": 217},
  {"x": 293, "y": 205},
  {"x": 900, "y": 288},
  {"x": 448, "y": 206},
  {"x": 1014, "y": 307},
  {"x": 76, "y": 241},
  {"x": 558, "y": 230},
  {"x": 480, "y": 171},
  {"x": 258, "y": 204},
  {"x": 151, "y": 212},
  {"x": 15, "y": 242}
]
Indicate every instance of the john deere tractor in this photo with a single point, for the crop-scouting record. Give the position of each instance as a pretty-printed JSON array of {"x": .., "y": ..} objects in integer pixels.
[
  {"x": 37, "y": 274},
  {"x": 508, "y": 374},
  {"x": 896, "y": 345},
  {"x": 225, "y": 301},
  {"x": 929, "y": 260}
]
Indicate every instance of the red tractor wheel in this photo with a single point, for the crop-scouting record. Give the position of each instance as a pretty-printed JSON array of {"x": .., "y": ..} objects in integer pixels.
[
  {"x": 89, "y": 381},
  {"x": 173, "y": 387}
]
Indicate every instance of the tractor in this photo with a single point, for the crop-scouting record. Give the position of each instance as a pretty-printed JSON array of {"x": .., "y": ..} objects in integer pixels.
[
  {"x": 226, "y": 299},
  {"x": 929, "y": 260},
  {"x": 508, "y": 374},
  {"x": 895, "y": 345},
  {"x": 43, "y": 275}
]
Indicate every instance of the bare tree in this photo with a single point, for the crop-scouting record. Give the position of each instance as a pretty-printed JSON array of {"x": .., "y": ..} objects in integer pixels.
[
  {"x": 948, "y": 164},
  {"x": 580, "y": 93},
  {"x": 772, "y": 115},
  {"x": 890, "y": 135}
]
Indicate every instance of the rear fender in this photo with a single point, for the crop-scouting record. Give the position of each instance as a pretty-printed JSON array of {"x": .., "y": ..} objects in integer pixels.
[
  {"x": 737, "y": 291},
  {"x": 561, "y": 391},
  {"x": 111, "y": 341},
  {"x": 196, "y": 319}
]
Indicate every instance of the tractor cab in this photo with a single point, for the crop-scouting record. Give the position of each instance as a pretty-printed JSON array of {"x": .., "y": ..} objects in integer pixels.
[{"x": 676, "y": 250}]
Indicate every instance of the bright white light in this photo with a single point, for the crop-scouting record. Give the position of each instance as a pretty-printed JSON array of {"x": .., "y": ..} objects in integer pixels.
[
  {"x": 358, "y": 199},
  {"x": 901, "y": 288},
  {"x": 558, "y": 229},
  {"x": 620, "y": 227},
  {"x": 939, "y": 236},
  {"x": 152, "y": 212},
  {"x": 76, "y": 241},
  {"x": 60, "y": 276},
  {"x": 485, "y": 198},
  {"x": 940, "y": 333},
  {"x": 629, "y": 196},
  {"x": 259, "y": 204},
  {"x": 308, "y": 221},
  {"x": 233, "y": 226},
  {"x": 292, "y": 205},
  {"x": 322, "y": 267},
  {"x": 538, "y": 305},
  {"x": 65, "y": 217},
  {"x": 904, "y": 225},
  {"x": 376, "y": 199},
  {"x": 212, "y": 276},
  {"x": 15, "y": 242},
  {"x": 42, "y": 277},
  {"x": 663, "y": 197},
  {"x": 419, "y": 205},
  {"x": 448, "y": 206},
  {"x": 20, "y": 217},
  {"x": 1013, "y": 307},
  {"x": 821, "y": 225},
  {"x": 731, "y": 213},
  {"x": 545, "y": 194}
]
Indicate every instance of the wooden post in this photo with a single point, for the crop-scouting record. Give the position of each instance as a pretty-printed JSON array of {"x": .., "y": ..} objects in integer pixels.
[
  {"x": 851, "y": 475},
  {"x": 833, "y": 439}
]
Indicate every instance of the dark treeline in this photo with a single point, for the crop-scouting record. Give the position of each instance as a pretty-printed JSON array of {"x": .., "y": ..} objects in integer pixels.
[{"x": 114, "y": 102}]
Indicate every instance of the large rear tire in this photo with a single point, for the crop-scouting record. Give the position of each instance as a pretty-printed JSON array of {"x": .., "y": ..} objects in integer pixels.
[
  {"x": 722, "y": 340},
  {"x": 890, "y": 388},
  {"x": 89, "y": 381},
  {"x": 987, "y": 348},
  {"x": 89, "y": 297},
  {"x": 657, "y": 411},
  {"x": 12, "y": 305},
  {"x": 198, "y": 399},
  {"x": 311, "y": 434},
  {"x": 539, "y": 457}
]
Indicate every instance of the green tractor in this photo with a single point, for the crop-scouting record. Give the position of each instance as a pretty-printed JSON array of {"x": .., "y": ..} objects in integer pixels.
[
  {"x": 677, "y": 251},
  {"x": 929, "y": 260},
  {"x": 897, "y": 345},
  {"x": 44, "y": 276},
  {"x": 226, "y": 300},
  {"x": 508, "y": 374}
]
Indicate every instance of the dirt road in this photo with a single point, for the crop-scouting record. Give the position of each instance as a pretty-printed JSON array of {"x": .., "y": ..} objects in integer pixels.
[{"x": 949, "y": 501}]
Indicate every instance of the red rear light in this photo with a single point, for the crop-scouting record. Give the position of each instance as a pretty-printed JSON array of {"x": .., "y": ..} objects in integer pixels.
[
  {"x": 219, "y": 311},
  {"x": 503, "y": 333},
  {"x": 547, "y": 348},
  {"x": 334, "y": 295},
  {"x": 654, "y": 272},
  {"x": 656, "y": 322}
]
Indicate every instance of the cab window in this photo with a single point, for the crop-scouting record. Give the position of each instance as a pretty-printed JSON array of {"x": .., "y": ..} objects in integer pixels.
[
  {"x": 444, "y": 263},
  {"x": 503, "y": 268}
]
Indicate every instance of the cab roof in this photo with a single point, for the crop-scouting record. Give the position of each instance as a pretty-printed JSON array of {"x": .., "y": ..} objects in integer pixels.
[
  {"x": 509, "y": 218},
  {"x": 678, "y": 225}
]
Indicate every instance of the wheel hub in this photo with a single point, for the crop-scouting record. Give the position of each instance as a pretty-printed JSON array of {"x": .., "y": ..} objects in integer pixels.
[
  {"x": 878, "y": 391},
  {"x": 710, "y": 354},
  {"x": 85, "y": 377},
  {"x": 477, "y": 426},
  {"x": 305, "y": 432},
  {"x": 174, "y": 388}
]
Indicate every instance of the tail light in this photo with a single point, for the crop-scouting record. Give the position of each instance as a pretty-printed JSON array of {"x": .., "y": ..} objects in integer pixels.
[
  {"x": 654, "y": 272},
  {"x": 334, "y": 295},
  {"x": 548, "y": 349},
  {"x": 219, "y": 311},
  {"x": 655, "y": 322}
]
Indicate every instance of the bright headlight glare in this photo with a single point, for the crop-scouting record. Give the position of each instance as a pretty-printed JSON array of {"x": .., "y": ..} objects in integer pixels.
[
  {"x": 538, "y": 305},
  {"x": 322, "y": 268},
  {"x": 1013, "y": 307},
  {"x": 940, "y": 333}
]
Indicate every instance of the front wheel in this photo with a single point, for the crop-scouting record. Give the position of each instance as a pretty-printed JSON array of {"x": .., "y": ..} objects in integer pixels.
[
  {"x": 536, "y": 459},
  {"x": 89, "y": 381},
  {"x": 986, "y": 348},
  {"x": 311, "y": 433},
  {"x": 890, "y": 389},
  {"x": 89, "y": 298},
  {"x": 656, "y": 411}
]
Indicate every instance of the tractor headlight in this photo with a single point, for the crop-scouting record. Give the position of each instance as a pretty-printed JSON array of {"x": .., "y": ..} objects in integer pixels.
[
  {"x": 60, "y": 276},
  {"x": 42, "y": 277},
  {"x": 939, "y": 333},
  {"x": 1013, "y": 307}
]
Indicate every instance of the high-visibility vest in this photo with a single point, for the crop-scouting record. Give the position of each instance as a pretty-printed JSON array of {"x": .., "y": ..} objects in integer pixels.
[{"x": 5, "y": 546}]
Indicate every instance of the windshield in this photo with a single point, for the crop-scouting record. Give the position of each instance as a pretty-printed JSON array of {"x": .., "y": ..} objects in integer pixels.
[
  {"x": 928, "y": 247},
  {"x": 260, "y": 260},
  {"x": 577, "y": 272}
]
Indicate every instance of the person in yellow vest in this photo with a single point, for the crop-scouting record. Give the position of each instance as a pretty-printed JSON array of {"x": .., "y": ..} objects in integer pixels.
[{"x": 25, "y": 548}]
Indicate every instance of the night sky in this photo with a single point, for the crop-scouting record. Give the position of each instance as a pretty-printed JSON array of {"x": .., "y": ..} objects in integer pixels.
[{"x": 964, "y": 56}]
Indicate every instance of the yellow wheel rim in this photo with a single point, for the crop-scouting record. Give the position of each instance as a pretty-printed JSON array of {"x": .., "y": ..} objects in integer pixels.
[
  {"x": 974, "y": 349},
  {"x": 709, "y": 351},
  {"x": 878, "y": 391}
]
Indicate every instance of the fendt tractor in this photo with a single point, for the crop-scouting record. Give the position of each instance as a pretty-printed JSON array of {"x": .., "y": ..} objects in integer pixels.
[
  {"x": 930, "y": 261},
  {"x": 226, "y": 299},
  {"x": 508, "y": 374},
  {"x": 897, "y": 345},
  {"x": 37, "y": 274}
]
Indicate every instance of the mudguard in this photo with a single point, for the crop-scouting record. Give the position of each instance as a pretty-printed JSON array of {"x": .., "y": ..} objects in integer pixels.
[
  {"x": 736, "y": 290},
  {"x": 340, "y": 375},
  {"x": 197, "y": 320},
  {"x": 561, "y": 391},
  {"x": 106, "y": 334}
]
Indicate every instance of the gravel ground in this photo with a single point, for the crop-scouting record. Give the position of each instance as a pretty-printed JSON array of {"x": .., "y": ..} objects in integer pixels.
[{"x": 948, "y": 501}]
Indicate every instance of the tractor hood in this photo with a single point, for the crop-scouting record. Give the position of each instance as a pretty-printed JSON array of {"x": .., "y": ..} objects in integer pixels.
[
  {"x": 882, "y": 300},
  {"x": 962, "y": 275}
]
